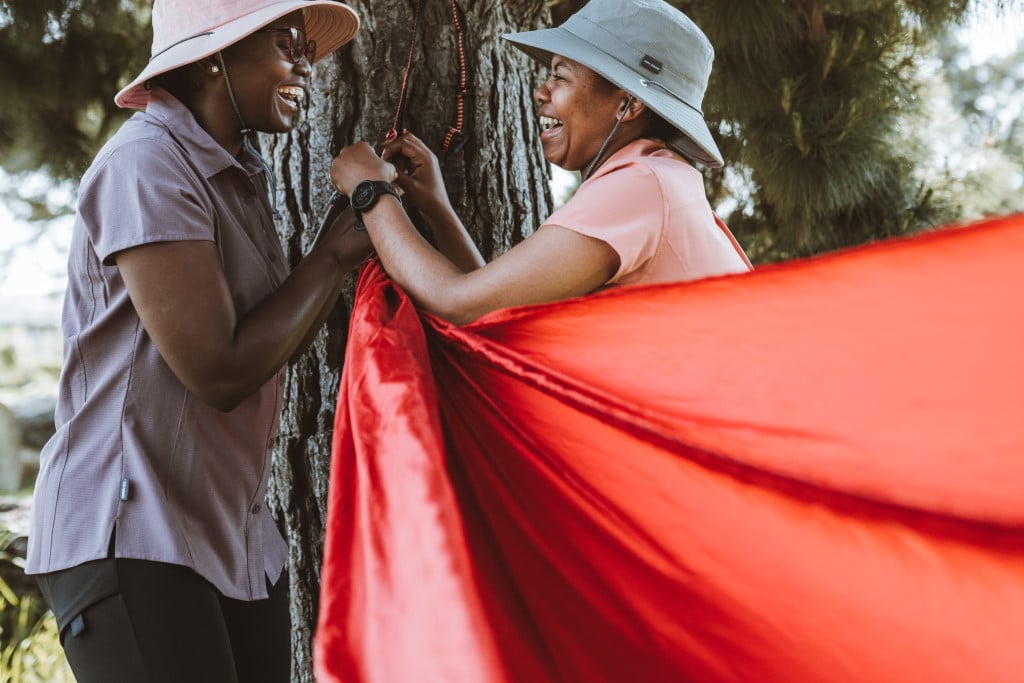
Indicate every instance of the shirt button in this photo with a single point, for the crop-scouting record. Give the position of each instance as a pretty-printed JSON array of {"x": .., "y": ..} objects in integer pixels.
[{"x": 256, "y": 509}]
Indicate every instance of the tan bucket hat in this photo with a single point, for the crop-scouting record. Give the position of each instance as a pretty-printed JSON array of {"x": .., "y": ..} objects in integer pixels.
[{"x": 185, "y": 31}]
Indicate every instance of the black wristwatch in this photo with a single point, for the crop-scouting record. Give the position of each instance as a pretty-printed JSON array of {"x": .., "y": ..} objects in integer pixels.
[{"x": 366, "y": 194}]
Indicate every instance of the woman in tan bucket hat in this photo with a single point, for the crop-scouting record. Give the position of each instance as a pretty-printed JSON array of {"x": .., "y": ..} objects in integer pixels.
[
  {"x": 621, "y": 105},
  {"x": 151, "y": 537}
]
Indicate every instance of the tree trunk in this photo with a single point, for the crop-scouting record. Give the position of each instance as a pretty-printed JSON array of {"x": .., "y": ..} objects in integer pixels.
[{"x": 498, "y": 183}]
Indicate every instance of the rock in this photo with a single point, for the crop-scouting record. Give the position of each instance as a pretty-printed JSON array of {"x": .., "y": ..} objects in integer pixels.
[
  {"x": 35, "y": 417},
  {"x": 10, "y": 451}
]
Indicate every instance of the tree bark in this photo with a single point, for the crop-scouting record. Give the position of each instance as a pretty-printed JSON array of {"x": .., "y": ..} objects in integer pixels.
[{"x": 498, "y": 182}]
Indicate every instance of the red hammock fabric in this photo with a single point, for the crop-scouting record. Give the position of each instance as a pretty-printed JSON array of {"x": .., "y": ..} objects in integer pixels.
[{"x": 813, "y": 472}]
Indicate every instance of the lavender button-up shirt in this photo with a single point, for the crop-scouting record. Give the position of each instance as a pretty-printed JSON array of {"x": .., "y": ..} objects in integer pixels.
[{"x": 182, "y": 482}]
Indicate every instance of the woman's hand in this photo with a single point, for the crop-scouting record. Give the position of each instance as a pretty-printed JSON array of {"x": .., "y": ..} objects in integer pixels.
[
  {"x": 348, "y": 245},
  {"x": 419, "y": 174},
  {"x": 356, "y": 163}
]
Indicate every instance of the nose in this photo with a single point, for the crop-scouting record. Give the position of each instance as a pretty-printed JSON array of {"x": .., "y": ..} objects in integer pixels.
[
  {"x": 304, "y": 66},
  {"x": 541, "y": 94}
]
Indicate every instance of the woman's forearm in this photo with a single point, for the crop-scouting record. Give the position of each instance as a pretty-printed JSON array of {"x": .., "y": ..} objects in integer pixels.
[
  {"x": 554, "y": 264},
  {"x": 297, "y": 310},
  {"x": 452, "y": 238},
  {"x": 428, "y": 276},
  {"x": 282, "y": 326},
  {"x": 350, "y": 248},
  {"x": 185, "y": 304}
]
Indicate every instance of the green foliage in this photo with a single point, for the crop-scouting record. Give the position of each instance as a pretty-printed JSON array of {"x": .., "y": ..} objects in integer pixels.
[
  {"x": 33, "y": 653},
  {"x": 816, "y": 101},
  {"x": 63, "y": 62}
]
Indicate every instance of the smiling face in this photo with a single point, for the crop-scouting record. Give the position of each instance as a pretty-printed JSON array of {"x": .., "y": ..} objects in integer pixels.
[
  {"x": 577, "y": 110},
  {"x": 268, "y": 86}
]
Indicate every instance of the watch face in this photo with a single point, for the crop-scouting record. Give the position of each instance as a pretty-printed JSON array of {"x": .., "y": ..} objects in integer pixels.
[{"x": 363, "y": 195}]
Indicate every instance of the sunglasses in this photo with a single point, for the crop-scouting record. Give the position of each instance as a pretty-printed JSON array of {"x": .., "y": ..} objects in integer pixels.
[{"x": 298, "y": 45}]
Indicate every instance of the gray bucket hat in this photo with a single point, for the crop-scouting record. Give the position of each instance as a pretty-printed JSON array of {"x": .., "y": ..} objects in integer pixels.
[{"x": 649, "y": 49}]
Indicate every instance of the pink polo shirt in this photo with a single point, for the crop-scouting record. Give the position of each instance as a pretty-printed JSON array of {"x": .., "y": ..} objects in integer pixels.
[{"x": 650, "y": 206}]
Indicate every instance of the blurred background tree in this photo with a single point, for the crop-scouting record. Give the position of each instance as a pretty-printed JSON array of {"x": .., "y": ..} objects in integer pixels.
[
  {"x": 819, "y": 108},
  {"x": 62, "y": 61},
  {"x": 978, "y": 111}
]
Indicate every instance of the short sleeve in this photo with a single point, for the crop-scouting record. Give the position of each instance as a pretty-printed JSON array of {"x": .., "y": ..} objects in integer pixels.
[
  {"x": 624, "y": 208},
  {"x": 143, "y": 192}
]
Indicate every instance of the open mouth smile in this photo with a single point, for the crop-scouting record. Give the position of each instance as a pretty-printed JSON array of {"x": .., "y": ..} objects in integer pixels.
[
  {"x": 292, "y": 95},
  {"x": 548, "y": 123}
]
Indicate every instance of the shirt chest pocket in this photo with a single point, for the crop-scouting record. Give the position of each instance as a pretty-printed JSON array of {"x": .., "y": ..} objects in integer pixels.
[{"x": 254, "y": 263}]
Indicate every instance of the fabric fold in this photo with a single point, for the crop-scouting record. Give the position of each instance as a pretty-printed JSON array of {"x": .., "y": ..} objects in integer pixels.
[{"x": 810, "y": 472}]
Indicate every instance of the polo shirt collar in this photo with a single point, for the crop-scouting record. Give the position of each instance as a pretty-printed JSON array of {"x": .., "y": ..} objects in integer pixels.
[
  {"x": 641, "y": 147},
  {"x": 207, "y": 154}
]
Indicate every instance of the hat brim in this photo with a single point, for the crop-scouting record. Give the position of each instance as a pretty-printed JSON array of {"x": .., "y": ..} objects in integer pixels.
[
  {"x": 545, "y": 43},
  {"x": 331, "y": 24}
]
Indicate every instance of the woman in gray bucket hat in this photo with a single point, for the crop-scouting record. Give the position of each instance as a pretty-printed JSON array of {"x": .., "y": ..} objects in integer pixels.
[
  {"x": 621, "y": 104},
  {"x": 151, "y": 537}
]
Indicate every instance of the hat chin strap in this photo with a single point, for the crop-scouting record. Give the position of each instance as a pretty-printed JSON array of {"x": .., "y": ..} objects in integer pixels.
[
  {"x": 247, "y": 143},
  {"x": 600, "y": 153}
]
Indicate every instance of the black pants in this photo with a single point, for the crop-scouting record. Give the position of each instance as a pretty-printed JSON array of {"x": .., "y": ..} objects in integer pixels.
[{"x": 134, "y": 621}]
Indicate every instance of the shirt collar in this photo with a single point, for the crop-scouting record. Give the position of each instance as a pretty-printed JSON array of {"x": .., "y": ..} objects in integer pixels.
[
  {"x": 641, "y": 147},
  {"x": 207, "y": 154}
]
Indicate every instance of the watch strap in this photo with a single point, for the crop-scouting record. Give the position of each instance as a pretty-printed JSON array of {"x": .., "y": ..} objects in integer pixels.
[{"x": 377, "y": 189}]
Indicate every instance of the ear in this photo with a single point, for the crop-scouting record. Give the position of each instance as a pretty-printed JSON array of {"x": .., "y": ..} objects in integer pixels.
[{"x": 631, "y": 109}]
